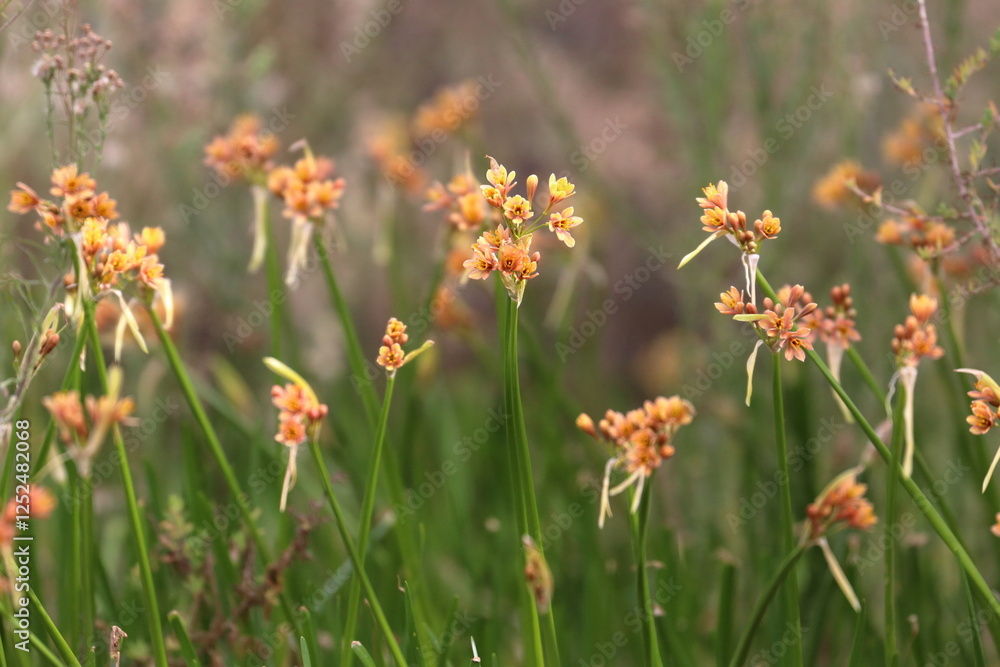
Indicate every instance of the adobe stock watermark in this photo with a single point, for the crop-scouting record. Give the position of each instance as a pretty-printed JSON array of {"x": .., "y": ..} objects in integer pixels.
[
  {"x": 375, "y": 22},
  {"x": 605, "y": 652},
  {"x": 797, "y": 459},
  {"x": 625, "y": 287},
  {"x": 460, "y": 624},
  {"x": 584, "y": 155},
  {"x": 36, "y": 16},
  {"x": 902, "y": 15},
  {"x": 417, "y": 323},
  {"x": 876, "y": 547},
  {"x": 427, "y": 145},
  {"x": 559, "y": 523},
  {"x": 784, "y": 129},
  {"x": 773, "y": 654},
  {"x": 109, "y": 464},
  {"x": 123, "y": 103},
  {"x": 966, "y": 631},
  {"x": 912, "y": 170},
  {"x": 279, "y": 121},
  {"x": 711, "y": 30},
  {"x": 462, "y": 450},
  {"x": 562, "y": 13}
]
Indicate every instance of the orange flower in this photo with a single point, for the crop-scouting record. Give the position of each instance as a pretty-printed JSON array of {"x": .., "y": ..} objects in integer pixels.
[
  {"x": 983, "y": 418},
  {"x": 390, "y": 357},
  {"x": 842, "y": 504},
  {"x": 23, "y": 200},
  {"x": 831, "y": 189},
  {"x": 561, "y": 223},
  {"x": 66, "y": 181},
  {"x": 559, "y": 189},
  {"x": 641, "y": 441}
]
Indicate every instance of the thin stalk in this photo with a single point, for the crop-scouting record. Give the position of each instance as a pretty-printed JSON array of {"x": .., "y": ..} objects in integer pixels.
[
  {"x": 50, "y": 627},
  {"x": 135, "y": 518},
  {"x": 922, "y": 502},
  {"x": 87, "y": 556},
  {"x": 517, "y": 442},
  {"x": 891, "y": 650},
  {"x": 187, "y": 648},
  {"x": 352, "y": 552},
  {"x": 241, "y": 498},
  {"x": 724, "y": 623},
  {"x": 69, "y": 380},
  {"x": 787, "y": 517},
  {"x": 367, "y": 508},
  {"x": 359, "y": 370},
  {"x": 355, "y": 356},
  {"x": 921, "y": 463},
  {"x": 638, "y": 523},
  {"x": 746, "y": 639},
  {"x": 275, "y": 285}
]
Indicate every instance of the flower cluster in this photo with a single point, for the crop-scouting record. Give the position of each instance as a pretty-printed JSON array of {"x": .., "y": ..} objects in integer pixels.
[
  {"x": 462, "y": 200},
  {"x": 77, "y": 199},
  {"x": 641, "y": 440},
  {"x": 108, "y": 257},
  {"x": 40, "y": 504},
  {"x": 912, "y": 341},
  {"x": 779, "y": 321},
  {"x": 841, "y": 505},
  {"x": 71, "y": 415},
  {"x": 985, "y": 409},
  {"x": 71, "y": 70},
  {"x": 300, "y": 415},
  {"x": 398, "y": 145},
  {"x": 306, "y": 188},
  {"x": 835, "y": 187},
  {"x": 113, "y": 255},
  {"x": 507, "y": 249},
  {"x": 908, "y": 144},
  {"x": 928, "y": 237},
  {"x": 446, "y": 111},
  {"x": 835, "y": 325},
  {"x": 916, "y": 338},
  {"x": 717, "y": 219},
  {"x": 245, "y": 151},
  {"x": 84, "y": 424},
  {"x": 985, "y": 403},
  {"x": 391, "y": 356}
]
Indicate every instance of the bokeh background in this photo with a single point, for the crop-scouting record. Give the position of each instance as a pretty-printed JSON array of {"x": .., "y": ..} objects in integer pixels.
[{"x": 640, "y": 103}]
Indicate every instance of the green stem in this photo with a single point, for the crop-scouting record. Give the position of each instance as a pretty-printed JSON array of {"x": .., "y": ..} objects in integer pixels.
[
  {"x": 355, "y": 356},
  {"x": 64, "y": 650},
  {"x": 787, "y": 517},
  {"x": 352, "y": 551},
  {"x": 743, "y": 647},
  {"x": 367, "y": 508},
  {"x": 517, "y": 442},
  {"x": 241, "y": 498},
  {"x": 275, "y": 284},
  {"x": 87, "y": 554},
  {"x": 639, "y": 522},
  {"x": 921, "y": 463},
  {"x": 187, "y": 648},
  {"x": 898, "y": 429},
  {"x": 922, "y": 502},
  {"x": 155, "y": 624},
  {"x": 69, "y": 380},
  {"x": 359, "y": 370}
]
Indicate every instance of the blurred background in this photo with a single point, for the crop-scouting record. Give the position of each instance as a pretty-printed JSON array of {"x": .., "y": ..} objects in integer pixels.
[{"x": 640, "y": 104}]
